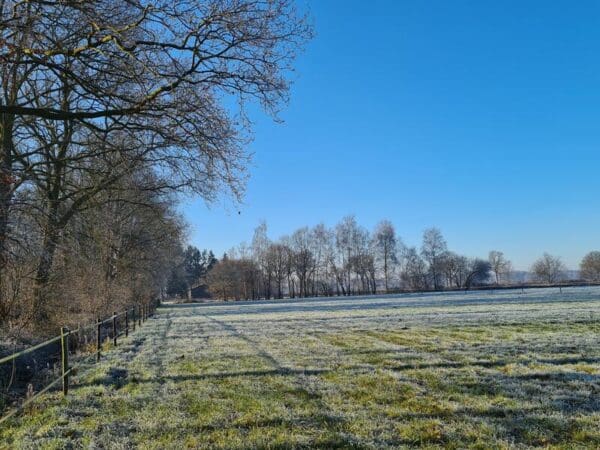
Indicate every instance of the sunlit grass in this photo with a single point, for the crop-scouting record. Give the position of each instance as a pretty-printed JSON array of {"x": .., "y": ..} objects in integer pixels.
[{"x": 499, "y": 370}]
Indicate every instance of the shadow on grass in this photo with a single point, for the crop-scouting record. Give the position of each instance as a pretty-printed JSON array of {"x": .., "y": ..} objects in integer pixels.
[
  {"x": 501, "y": 363},
  {"x": 118, "y": 381},
  {"x": 331, "y": 425},
  {"x": 554, "y": 403}
]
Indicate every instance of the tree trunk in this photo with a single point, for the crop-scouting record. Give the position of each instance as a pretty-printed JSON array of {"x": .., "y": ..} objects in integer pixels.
[
  {"x": 55, "y": 223},
  {"x": 385, "y": 272},
  {"x": 44, "y": 269},
  {"x": 6, "y": 192}
]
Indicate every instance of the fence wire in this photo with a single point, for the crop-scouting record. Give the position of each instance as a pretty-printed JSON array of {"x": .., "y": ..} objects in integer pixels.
[{"x": 28, "y": 374}]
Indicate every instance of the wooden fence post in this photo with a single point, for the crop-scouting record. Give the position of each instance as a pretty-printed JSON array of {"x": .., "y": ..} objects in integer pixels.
[
  {"x": 114, "y": 328},
  {"x": 126, "y": 323},
  {"x": 98, "y": 338},
  {"x": 64, "y": 341}
]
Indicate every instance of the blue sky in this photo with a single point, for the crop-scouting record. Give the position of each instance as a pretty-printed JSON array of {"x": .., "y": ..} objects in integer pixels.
[{"x": 478, "y": 117}]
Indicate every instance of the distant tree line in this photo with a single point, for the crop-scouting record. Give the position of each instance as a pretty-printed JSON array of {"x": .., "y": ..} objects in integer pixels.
[
  {"x": 345, "y": 260},
  {"x": 348, "y": 259}
]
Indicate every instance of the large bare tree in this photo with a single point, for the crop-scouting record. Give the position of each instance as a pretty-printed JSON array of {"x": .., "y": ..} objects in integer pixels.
[
  {"x": 549, "y": 269},
  {"x": 590, "y": 266},
  {"x": 499, "y": 264},
  {"x": 108, "y": 86},
  {"x": 433, "y": 248},
  {"x": 386, "y": 245}
]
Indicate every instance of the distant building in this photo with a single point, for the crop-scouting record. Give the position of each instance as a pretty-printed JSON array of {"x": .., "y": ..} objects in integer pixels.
[{"x": 200, "y": 291}]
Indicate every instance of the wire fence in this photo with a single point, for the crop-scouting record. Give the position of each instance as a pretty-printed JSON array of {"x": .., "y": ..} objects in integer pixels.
[{"x": 29, "y": 373}]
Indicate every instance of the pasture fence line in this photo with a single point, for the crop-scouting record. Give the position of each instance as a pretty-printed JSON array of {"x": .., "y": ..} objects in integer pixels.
[{"x": 117, "y": 328}]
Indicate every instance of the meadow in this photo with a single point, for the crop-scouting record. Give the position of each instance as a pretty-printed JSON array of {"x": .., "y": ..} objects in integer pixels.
[{"x": 500, "y": 369}]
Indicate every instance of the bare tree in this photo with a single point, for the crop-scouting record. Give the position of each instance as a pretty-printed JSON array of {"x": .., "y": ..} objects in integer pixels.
[
  {"x": 386, "y": 246},
  {"x": 433, "y": 248},
  {"x": 250, "y": 278},
  {"x": 276, "y": 257},
  {"x": 500, "y": 265},
  {"x": 549, "y": 269},
  {"x": 348, "y": 235},
  {"x": 415, "y": 270},
  {"x": 290, "y": 265},
  {"x": 361, "y": 261},
  {"x": 304, "y": 261},
  {"x": 590, "y": 266},
  {"x": 321, "y": 243},
  {"x": 223, "y": 278},
  {"x": 260, "y": 245},
  {"x": 455, "y": 269}
]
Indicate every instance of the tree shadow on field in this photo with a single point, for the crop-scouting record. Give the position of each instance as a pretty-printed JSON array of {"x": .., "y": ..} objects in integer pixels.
[
  {"x": 501, "y": 363},
  {"x": 530, "y": 426},
  {"x": 120, "y": 381},
  {"x": 529, "y": 409},
  {"x": 333, "y": 424},
  {"x": 567, "y": 392},
  {"x": 304, "y": 420},
  {"x": 553, "y": 403}
]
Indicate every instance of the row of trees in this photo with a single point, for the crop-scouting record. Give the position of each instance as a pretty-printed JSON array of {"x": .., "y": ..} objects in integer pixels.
[
  {"x": 108, "y": 110},
  {"x": 550, "y": 269},
  {"x": 345, "y": 260},
  {"x": 349, "y": 259}
]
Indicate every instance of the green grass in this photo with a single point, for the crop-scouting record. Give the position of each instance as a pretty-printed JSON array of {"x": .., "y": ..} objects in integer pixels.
[{"x": 328, "y": 374}]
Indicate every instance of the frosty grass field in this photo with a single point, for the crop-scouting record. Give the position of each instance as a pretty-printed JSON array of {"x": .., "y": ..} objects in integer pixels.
[{"x": 456, "y": 370}]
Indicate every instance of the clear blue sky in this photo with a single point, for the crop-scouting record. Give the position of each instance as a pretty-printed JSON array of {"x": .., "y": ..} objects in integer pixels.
[{"x": 481, "y": 118}]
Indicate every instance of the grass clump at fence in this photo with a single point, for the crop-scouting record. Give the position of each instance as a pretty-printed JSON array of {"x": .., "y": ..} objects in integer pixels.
[{"x": 28, "y": 374}]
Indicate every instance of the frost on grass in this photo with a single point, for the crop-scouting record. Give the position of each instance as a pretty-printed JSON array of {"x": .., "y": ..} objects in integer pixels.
[{"x": 481, "y": 370}]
